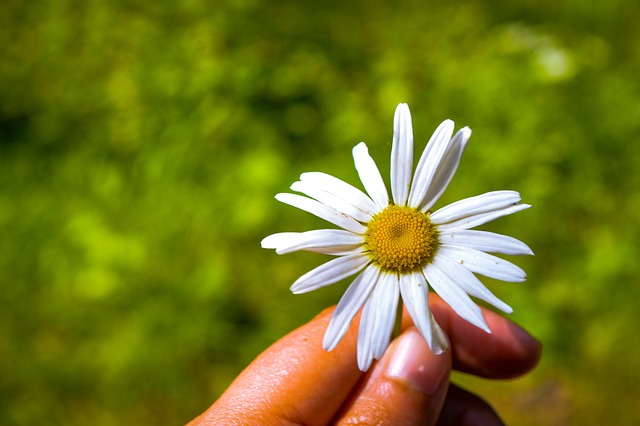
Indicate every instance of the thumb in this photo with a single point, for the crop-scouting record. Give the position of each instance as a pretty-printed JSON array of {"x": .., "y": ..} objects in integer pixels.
[
  {"x": 407, "y": 386},
  {"x": 294, "y": 381}
]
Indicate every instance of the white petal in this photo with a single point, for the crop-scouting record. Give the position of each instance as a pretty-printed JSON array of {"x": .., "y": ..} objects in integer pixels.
[
  {"x": 330, "y": 272},
  {"x": 429, "y": 162},
  {"x": 415, "y": 294},
  {"x": 329, "y": 199},
  {"x": 480, "y": 218},
  {"x": 485, "y": 264},
  {"x": 453, "y": 295},
  {"x": 328, "y": 241},
  {"x": 370, "y": 176},
  {"x": 447, "y": 169},
  {"x": 322, "y": 211},
  {"x": 341, "y": 188},
  {"x": 387, "y": 302},
  {"x": 467, "y": 207},
  {"x": 485, "y": 241},
  {"x": 364, "y": 352},
  {"x": 378, "y": 318},
  {"x": 468, "y": 282},
  {"x": 401, "y": 155},
  {"x": 349, "y": 305},
  {"x": 440, "y": 342}
]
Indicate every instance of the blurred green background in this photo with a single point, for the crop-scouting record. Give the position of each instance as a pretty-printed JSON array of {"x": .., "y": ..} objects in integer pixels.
[{"x": 141, "y": 144}]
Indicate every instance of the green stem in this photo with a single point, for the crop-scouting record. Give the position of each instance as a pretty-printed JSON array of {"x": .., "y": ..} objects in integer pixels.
[{"x": 397, "y": 328}]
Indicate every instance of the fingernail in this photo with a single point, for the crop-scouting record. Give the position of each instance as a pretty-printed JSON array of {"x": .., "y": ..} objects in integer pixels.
[{"x": 414, "y": 363}]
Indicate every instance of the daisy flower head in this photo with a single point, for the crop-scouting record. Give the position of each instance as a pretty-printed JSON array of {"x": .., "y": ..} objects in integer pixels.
[{"x": 398, "y": 245}]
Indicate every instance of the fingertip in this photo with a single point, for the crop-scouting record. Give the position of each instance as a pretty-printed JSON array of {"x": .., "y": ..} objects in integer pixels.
[
  {"x": 523, "y": 348},
  {"x": 508, "y": 352},
  {"x": 413, "y": 362},
  {"x": 407, "y": 386}
]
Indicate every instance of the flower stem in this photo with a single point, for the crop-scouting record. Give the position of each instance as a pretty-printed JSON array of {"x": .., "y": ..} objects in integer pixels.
[{"x": 397, "y": 328}]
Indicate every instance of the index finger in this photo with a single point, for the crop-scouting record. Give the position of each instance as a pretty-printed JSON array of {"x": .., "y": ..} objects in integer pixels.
[{"x": 508, "y": 352}]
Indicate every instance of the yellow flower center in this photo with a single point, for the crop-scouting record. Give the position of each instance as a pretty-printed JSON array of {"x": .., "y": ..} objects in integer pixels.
[{"x": 400, "y": 238}]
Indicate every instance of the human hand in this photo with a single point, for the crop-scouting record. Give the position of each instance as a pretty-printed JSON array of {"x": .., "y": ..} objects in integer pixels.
[{"x": 296, "y": 382}]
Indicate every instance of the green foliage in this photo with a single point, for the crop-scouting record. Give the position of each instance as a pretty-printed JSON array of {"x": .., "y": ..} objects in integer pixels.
[{"x": 141, "y": 144}]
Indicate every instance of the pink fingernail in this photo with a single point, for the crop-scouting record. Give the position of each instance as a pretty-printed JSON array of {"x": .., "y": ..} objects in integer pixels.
[{"x": 414, "y": 363}]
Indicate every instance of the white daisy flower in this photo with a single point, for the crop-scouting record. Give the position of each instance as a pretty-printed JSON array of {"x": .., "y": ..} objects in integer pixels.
[{"x": 399, "y": 246}]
